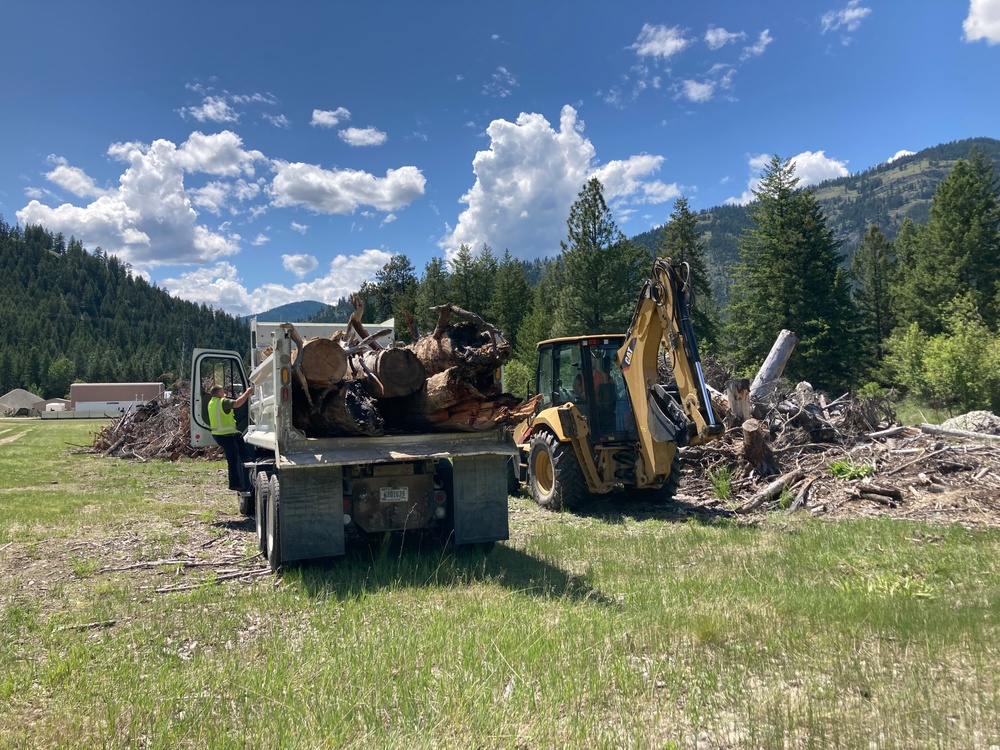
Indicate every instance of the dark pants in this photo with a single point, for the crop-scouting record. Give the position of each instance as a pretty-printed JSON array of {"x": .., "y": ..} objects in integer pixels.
[{"x": 235, "y": 450}]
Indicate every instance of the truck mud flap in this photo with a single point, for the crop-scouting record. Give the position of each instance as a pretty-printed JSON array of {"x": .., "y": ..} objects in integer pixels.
[
  {"x": 311, "y": 513},
  {"x": 480, "y": 506}
]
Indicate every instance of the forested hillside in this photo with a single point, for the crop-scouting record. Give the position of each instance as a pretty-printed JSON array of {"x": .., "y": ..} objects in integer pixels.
[
  {"x": 67, "y": 315},
  {"x": 884, "y": 195}
]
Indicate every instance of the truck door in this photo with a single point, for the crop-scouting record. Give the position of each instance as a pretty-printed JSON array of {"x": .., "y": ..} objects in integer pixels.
[{"x": 210, "y": 367}]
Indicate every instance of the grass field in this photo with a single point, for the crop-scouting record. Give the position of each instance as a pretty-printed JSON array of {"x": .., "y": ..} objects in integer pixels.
[{"x": 619, "y": 628}]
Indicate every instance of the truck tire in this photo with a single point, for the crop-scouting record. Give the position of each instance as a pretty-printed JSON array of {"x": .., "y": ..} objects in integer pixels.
[
  {"x": 273, "y": 546},
  {"x": 263, "y": 487},
  {"x": 554, "y": 474},
  {"x": 246, "y": 504},
  {"x": 659, "y": 495}
]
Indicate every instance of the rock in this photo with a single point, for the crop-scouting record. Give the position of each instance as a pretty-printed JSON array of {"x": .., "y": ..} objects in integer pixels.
[{"x": 984, "y": 422}]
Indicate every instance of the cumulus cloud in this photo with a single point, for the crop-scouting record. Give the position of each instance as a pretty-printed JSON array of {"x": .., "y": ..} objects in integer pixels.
[
  {"x": 369, "y": 136},
  {"x": 983, "y": 21},
  {"x": 529, "y": 177},
  {"x": 220, "y": 285},
  {"x": 848, "y": 18},
  {"x": 756, "y": 50},
  {"x": 329, "y": 118},
  {"x": 660, "y": 41},
  {"x": 149, "y": 220},
  {"x": 73, "y": 179},
  {"x": 300, "y": 228},
  {"x": 717, "y": 37},
  {"x": 811, "y": 168},
  {"x": 212, "y": 109},
  {"x": 260, "y": 239},
  {"x": 899, "y": 155},
  {"x": 300, "y": 264},
  {"x": 341, "y": 191},
  {"x": 211, "y": 197}
]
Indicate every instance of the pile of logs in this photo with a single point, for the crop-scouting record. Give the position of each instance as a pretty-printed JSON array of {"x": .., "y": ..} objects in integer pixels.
[{"x": 447, "y": 380}]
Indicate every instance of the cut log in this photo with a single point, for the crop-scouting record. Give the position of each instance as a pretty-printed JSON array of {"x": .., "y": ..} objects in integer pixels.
[
  {"x": 472, "y": 344},
  {"x": 318, "y": 363},
  {"x": 346, "y": 409},
  {"x": 389, "y": 373},
  {"x": 767, "y": 377},
  {"x": 771, "y": 491},
  {"x": 756, "y": 451}
]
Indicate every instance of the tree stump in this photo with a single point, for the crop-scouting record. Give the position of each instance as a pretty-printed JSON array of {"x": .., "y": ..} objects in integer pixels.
[
  {"x": 738, "y": 393},
  {"x": 756, "y": 451}
]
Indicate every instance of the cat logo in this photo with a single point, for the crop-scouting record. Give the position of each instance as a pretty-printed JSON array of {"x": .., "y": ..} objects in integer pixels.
[{"x": 627, "y": 359}]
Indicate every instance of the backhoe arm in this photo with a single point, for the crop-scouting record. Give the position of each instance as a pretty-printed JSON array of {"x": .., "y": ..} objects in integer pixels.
[{"x": 665, "y": 421}]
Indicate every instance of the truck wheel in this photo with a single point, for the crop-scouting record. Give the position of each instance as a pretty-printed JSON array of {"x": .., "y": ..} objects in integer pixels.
[
  {"x": 554, "y": 474},
  {"x": 246, "y": 504},
  {"x": 273, "y": 550},
  {"x": 263, "y": 490},
  {"x": 513, "y": 483},
  {"x": 659, "y": 495}
]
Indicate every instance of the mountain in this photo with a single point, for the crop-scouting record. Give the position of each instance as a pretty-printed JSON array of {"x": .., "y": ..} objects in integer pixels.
[
  {"x": 293, "y": 312},
  {"x": 884, "y": 195},
  {"x": 67, "y": 316}
]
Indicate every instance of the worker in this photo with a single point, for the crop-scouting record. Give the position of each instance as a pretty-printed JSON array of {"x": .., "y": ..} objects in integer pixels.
[
  {"x": 598, "y": 373},
  {"x": 222, "y": 420}
]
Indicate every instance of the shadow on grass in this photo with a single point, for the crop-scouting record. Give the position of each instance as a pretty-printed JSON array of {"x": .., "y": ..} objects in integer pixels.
[
  {"x": 420, "y": 563},
  {"x": 240, "y": 523},
  {"x": 617, "y": 508}
]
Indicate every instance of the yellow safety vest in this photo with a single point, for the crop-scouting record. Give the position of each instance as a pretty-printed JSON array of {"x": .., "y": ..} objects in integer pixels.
[{"x": 221, "y": 421}]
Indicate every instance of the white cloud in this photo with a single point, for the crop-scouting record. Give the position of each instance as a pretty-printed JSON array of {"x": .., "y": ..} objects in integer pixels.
[
  {"x": 696, "y": 91},
  {"x": 501, "y": 84},
  {"x": 260, "y": 239},
  {"x": 389, "y": 218},
  {"x": 279, "y": 121},
  {"x": 529, "y": 178},
  {"x": 756, "y": 50},
  {"x": 212, "y": 109},
  {"x": 983, "y": 21},
  {"x": 899, "y": 155},
  {"x": 300, "y": 264},
  {"x": 73, "y": 179},
  {"x": 849, "y": 18},
  {"x": 811, "y": 168},
  {"x": 300, "y": 228},
  {"x": 149, "y": 220},
  {"x": 329, "y": 118},
  {"x": 342, "y": 191},
  {"x": 660, "y": 41},
  {"x": 218, "y": 154},
  {"x": 717, "y": 37},
  {"x": 220, "y": 285},
  {"x": 362, "y": 136},
  {"x": 212, "y": 197}
]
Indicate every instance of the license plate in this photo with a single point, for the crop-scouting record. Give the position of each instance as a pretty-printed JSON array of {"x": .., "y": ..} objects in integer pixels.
[{"x": 394, "y": 494}]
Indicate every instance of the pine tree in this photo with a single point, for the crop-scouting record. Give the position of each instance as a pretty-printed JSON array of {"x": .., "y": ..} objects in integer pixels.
[
  {"x": 789, "y": 277},
  {"x": 602, "y": 270},
  {"x": 876, "y": 273},
  {"x": 682, "y": 242},
  {"x": 959, "y": 248},
  {"x": 510, "y": 298}
]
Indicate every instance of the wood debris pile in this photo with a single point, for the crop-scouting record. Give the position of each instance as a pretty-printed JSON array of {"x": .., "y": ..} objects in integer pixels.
[
  {"x": 155, "y": 429},
  {"x": 795, "y": 449}
]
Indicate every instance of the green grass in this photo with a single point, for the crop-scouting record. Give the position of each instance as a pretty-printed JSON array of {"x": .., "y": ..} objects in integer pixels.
[{"x": 600, "y": 631}]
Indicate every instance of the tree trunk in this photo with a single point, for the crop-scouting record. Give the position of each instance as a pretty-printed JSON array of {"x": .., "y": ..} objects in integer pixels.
[
  {"x": 341, "y": 410},
  {"x": 389, "y": 373},
  {"x": 767, "y": 377},
  {"x": 738, "y": 393},
  {"x": 756, "y": 451}
]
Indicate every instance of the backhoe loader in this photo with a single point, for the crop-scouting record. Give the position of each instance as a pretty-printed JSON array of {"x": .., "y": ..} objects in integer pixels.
[{"x": 605, "y": 421}]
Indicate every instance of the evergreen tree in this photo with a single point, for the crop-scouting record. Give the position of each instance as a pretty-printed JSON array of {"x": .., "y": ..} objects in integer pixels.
[
  {"x": 876, "y": 273},
  {"x": 432, "y": 291},
  {"x": 511, "y": 297},
  {"x": 789, "y": 277},
  {"x": 395, "y": 291},
  {"x": 472, "y": 278},
  {"x": 602, "y": 270},
  {"x": 959, "y": 248},
  {"x": 682, "y": 242}
]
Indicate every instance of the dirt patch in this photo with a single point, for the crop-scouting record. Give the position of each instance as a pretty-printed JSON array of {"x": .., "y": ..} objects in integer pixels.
[{"x": 12, "y": 438}]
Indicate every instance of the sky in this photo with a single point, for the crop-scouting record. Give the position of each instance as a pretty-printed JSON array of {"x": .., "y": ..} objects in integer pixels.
[{"x": 246, "y": 155}]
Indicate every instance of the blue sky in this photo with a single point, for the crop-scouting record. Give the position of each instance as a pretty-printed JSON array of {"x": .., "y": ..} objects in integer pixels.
[{"x": 250, "y": 154}]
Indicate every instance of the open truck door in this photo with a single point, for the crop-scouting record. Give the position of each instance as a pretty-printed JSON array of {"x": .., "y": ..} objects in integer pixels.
[{"x": 211, "y": 367}]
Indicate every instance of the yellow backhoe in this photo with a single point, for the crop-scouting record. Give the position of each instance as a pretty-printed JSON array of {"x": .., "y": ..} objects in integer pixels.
[{"x": 605, "y": 420}]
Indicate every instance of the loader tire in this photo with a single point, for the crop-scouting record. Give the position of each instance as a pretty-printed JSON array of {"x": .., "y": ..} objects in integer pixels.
[
  {"x": 554, "y": 474},
  {"x": 659, "y": 495}
]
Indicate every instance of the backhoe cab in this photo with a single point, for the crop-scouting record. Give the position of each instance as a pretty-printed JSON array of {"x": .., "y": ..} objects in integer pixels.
[{"x": 604, "y": 420}]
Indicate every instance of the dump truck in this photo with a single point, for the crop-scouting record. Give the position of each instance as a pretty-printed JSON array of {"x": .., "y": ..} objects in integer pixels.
[
  {"x": 607, "y": 419},
  {"x": 310, "y": 495}
]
